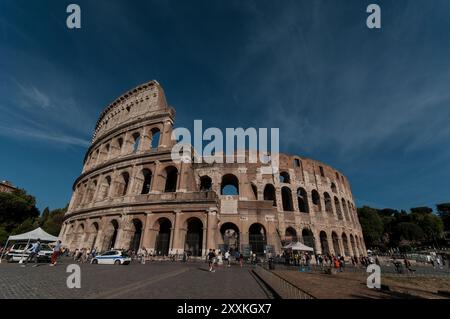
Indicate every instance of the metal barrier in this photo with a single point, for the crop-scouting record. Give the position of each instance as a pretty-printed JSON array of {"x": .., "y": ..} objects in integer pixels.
[{"x": 283, "y": 288}]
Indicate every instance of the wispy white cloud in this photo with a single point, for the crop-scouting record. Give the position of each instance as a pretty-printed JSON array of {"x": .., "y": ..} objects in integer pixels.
[{"x": 27, "y": 133}]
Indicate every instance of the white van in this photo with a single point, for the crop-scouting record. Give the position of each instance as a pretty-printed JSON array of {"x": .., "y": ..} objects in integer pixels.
[{"x": 20, "y": 250}]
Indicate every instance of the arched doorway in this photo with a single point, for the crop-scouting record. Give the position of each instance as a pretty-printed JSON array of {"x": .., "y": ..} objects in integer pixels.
[
  {"x": 171, "y": 179},
  {"x": 308, "y": 238},
  {"x": 336, "y": 248},
  {"x": 286, "y": 197},
  {"x": 146, "y": 184},
  {"x": 302, "y": 198},
  {"x": 230, "y": 236},
  {"x": 115, "y": 230},
  {"x": 269, "y": 194},
  {"x": 324, "y": 243},
  {"x": 164, "y": 226},
  {"x": 352, "y": 243},
  {"x": 257, "y": 238},
  {"x": 229, "y": 185},
  {"x": 290, "y": 235},
  {"x": 205, "y": 183},
  {"x": 94, "y": 233},
  {"x": 194, "y": 237},
  {"x": 135, "y": 242},
  {"x": 345, "y": 244}
]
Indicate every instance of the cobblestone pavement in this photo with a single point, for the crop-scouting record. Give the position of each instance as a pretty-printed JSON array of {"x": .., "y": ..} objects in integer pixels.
[
  {"x": 352, "y": 285},
  {"x": 152, "y": 280}
]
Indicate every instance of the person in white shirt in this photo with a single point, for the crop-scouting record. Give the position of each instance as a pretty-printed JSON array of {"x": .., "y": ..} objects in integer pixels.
[{"x": 227, "y": 258}]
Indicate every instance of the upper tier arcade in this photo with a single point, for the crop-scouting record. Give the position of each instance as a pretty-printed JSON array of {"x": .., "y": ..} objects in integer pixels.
[{"x": 146, "y": 100}]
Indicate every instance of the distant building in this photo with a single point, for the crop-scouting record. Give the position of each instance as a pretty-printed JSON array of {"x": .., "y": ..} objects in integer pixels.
[{"x": 6, "y": 187}]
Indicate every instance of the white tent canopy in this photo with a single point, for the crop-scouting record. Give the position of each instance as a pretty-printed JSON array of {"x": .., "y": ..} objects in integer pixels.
[
  {"x": 38, "y": 233},
  {"x": 298, "y": 246}
]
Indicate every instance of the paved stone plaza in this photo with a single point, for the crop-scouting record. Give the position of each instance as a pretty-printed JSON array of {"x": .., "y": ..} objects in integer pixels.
[
  {"x": 155, "y": 280},
  {"x": 174, "y": 280}
]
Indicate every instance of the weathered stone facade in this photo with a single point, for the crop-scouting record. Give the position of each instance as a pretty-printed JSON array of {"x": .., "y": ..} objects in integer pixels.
[
  {"x": 6, "y": 187},
  {"x": 131, "y": 194}
]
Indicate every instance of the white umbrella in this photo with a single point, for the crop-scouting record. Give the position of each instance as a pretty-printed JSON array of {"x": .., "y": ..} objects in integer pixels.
[{"x": 301, "y": 247}]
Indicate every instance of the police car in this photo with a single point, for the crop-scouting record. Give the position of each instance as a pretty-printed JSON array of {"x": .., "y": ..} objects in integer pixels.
[{"x": 112, "y": 257}]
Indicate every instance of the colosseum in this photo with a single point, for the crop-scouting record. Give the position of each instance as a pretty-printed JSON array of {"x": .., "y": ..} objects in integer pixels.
[{"x": 131, "y": 195}]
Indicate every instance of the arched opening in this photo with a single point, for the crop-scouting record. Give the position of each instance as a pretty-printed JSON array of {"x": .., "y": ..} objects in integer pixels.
[
  {"x": 194, "y": 237},
  {"x": 91, "y": 192},
  {"x": 345, "y": 244},
  {"x": 155, "y": 138},
  {"x": 337, "y": 204},
  {"x": 119, "y": 145},
  {"x": 352, "y": 243},
  {"x": 358, "y": 246},
  {"x": 344, "y": 208},
  {"x": 136, "y": 142},
  {"x": 324, "y": 243},
  {"x": 285, "y": 178},
  {"x": 286, "y": 197},
  {"x": 328, "y": 203},
  {"x": 333, "y": 188},
  {"x": 122, "y": 185},
  {"x": 105, "y": 187},
  {"x": 290, "y": 235},
  {"x": 205, "y": 183},
  {"x": 115, "y": 230},
  {"x": 94, "y": 233},
  {"x": 302, "y": 198},
  {"x": 107, "y": 148},
  {"x": 257, "y": 238},
  {"x": 230, "y": 236},
  {"x": 255, "y": 191},
  {"x": 350, "y": 212},
  {"x": 162, "y": 242},
  {"x": 335, "y": 239},
  {"x": 308, "y": 238},
  {"x": 229, "y": 185},
  {"x": 316, "y": 200},
  {"x": 269, "y": 194},
  {"x": 146, "y": 185},
  {"x": 171, "y": 179},
  {"x": 135, "y": 242}
]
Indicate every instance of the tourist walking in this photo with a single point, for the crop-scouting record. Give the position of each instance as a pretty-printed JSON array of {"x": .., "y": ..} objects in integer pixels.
[
  {"x": 227, "y": 258},
  {"x": 56, "y": 253},
  {"x": 34, "y": 253},
  {"x": 211, "y": 257}
]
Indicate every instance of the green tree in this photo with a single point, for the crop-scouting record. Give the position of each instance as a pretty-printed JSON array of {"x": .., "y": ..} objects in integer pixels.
[
  {"x": 421, "y": 210},
  {"x": 3, "y": 236},
  {"x": 16, "y": 208},
  {"x": 53, "y": 222},
  {"x": 371, "y": 224},
  {"x": 408, "y": 231},
  {"x": 27, "y": 225},
  {"x": 444, "y": 212},
  {"x": 431, "y": 225}
]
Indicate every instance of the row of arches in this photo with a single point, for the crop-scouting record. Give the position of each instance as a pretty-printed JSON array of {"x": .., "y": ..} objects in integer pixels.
[
  {"x": 342, "y": 245},
  {"x": 285, "y": 178},
  {"x": 124, "y": 145},
  {"x": 341, "y": 207},
  {"x": 130, "y": 235},
  {"x": 108, "y": 188}
]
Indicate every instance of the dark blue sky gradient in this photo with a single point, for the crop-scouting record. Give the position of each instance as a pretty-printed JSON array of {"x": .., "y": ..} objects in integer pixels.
[{"x": 372, "y": 103}]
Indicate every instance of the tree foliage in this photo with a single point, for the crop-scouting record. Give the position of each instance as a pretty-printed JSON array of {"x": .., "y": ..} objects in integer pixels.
[
  {"x": 19, "y": 214},
  {"x": 392, "y": 228}
]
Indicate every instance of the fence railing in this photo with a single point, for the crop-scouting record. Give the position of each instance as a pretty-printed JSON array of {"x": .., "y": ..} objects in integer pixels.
[{"x": 283, "y": 288}]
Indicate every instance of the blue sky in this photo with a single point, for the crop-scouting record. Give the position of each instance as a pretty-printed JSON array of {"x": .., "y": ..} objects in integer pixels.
[{"x": 374, "y": 104}]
